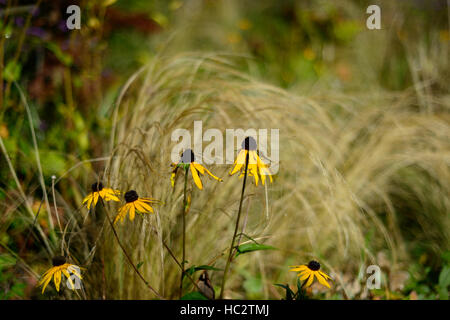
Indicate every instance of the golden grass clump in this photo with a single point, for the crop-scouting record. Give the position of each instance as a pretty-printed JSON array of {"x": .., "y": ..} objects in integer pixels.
[{"x": 355, "y": 173}]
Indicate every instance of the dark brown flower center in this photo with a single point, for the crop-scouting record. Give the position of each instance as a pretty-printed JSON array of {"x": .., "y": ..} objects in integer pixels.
[
  {"x": 314, "y": 265},
  {"x": 58, "y": 261},
  {"x": 187, "y": 156},
  {"x": 97, "y": 186},
  {"x": 249, "y": 144},
  {"x": 131, "y": 196}
]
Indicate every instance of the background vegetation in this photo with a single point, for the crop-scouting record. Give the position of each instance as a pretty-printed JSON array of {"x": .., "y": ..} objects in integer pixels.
[{"x": 364, "y": 142}]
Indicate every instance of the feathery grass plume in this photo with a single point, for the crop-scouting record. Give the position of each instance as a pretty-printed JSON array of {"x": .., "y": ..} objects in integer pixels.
[{"x": 344, "y": 163}]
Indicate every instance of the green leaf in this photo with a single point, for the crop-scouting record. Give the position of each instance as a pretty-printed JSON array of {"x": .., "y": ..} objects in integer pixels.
[
  {"x": 139, "y": 265},
  {"x": 194, "y": 296},
  {"x": 12, "y": 71},
  {"x": 301, "y": 294},
  {"x": 289, "y": 292},
  {"x": 250, "y": 247}
]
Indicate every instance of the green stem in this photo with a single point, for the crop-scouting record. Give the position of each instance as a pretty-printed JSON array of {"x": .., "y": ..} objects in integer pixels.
[
  {"x": 230, "y": 255},
  {"x": 183, "y": 259}
]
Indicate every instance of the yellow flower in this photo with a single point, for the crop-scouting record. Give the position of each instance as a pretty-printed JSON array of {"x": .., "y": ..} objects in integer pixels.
[
  {"x": 309, "y": 271},
  {"x": 188, "y": 159},
  {"x": 98, "y": 191},
  {"x": 256, "y": 167},
  {"x": 60, "y": 266},
  {"x": 133, "y": 204}
]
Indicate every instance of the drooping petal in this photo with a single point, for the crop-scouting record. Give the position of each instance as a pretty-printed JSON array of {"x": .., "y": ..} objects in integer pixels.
[
  {"x": 109, "y": 194},
  {"x": 252, "y": 159},
  {"x": 88, "y": 199},
  {"x": 149, "y": 200},
  {"x": 195, "y": 176},
  {"x": 304, "y": 275},
  {"x": 215, "y": 177},
  {"x": 57, "y": 279},
  {"x": 66, "y": 273},
  {"x": 239, "y": 162},
  {"x": 132, "y": 211},
  {"x": 122, "y": 213},
  {"x": 96, "y": 195},
  {"x": 199, "y": 167},
  {"x": 323, "y": 274},
  {"x": 73, "y": 269},
  {"x": 173, "y": 175},
  {"x": 46, "y": 280},
  {"x": 254, "y": 171},
  {"x": 310, "y": 280},
  {"x": 321, "y": 279},
  {"x": 143, "y": 207},
  {"x": 298, "y": 268}
]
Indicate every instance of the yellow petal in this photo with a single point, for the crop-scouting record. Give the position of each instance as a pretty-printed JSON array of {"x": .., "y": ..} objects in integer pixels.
[
  {"x": 46, "y": 281},
  {"x": 172, "y": 179},
  {"x": 72, "y": 269},
  {"x": 304, "y": 275},
  {"x": 252, "y": 168},
  {"x": 240, "y": 161},
  {"x": 143, "y": 207},
  {"x": 298, "y": 268},
  {"x": 321, "y": 279},
  {"x": 122, "y": 213},
  {"x": 310, "y": 280},
  {"x": 87, "y": 198},
  {"x": 110, "y": 194},
  {"x": 132, "y": 211},
  {"x": 197, "y": 180},
  {"x": 68, "y": 278},
  {"x": 199, "y": 167},
  {"x": 57, "y": 279},
  {"x": 96, "y": 195},
  {"x": 252, "y": 159},
  {"x": 323, "y": 274},
  {"x": 209, "y": 172}
]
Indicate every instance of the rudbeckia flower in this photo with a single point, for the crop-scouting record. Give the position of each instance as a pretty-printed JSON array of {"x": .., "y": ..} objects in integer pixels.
[
  {"x": 60, "y": 266},
  {"x": 309, "y": 271},
  {"x": 256, "y": 167},
  {"x": 188, "y": 159},
  {"x": 98, "y": 191},
  {"x": 133, "y": 204}
]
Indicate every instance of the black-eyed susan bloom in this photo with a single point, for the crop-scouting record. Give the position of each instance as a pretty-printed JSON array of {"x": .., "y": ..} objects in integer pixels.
[
  {"x": 98, "y": 191},
  {"x": 256, "y": 167},
  {"x": 60, "y": 268},
  {"x": 134, "y": 204},
  {"x": 188, "y": 162},
  {"x": 309, "y": 271}
]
